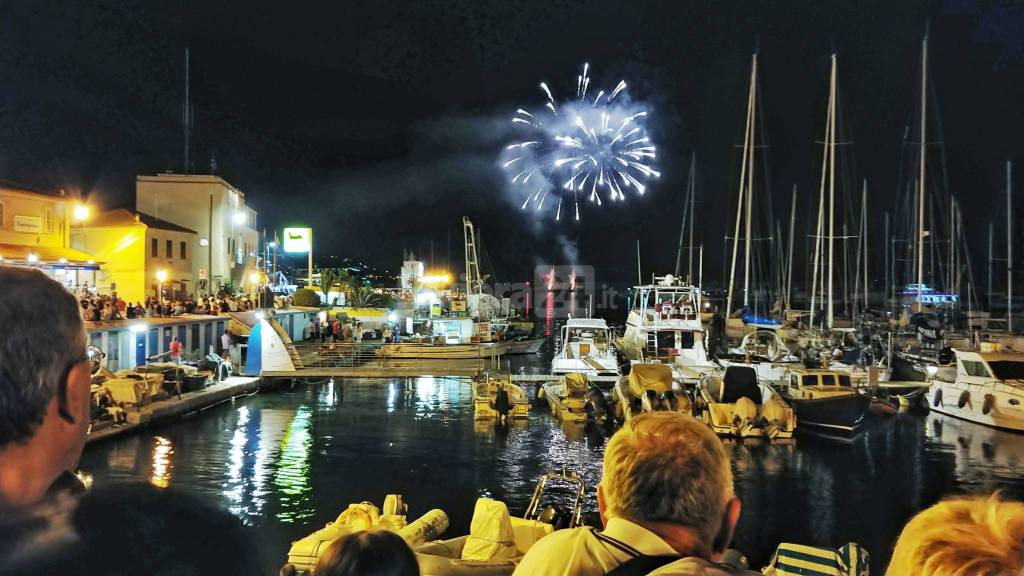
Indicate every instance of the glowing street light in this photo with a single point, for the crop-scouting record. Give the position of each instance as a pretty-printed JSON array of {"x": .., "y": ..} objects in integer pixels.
[
  {"x": 254, "y": 280},
  {"x": 81, "y": 212},
  {"x": 161, "y": 276},
  {"x": 239, "y": 218},
  {"x": 33, "y": 258}
]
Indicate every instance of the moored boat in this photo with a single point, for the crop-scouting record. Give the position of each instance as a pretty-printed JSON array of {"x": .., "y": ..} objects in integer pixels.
[
  {"x": 736, "y": 405},
  {"x": 439, "y": 351},
  {"x": 824, "y": 401},
  {"x": 567, "y": 397},
  {"x": 486, "y": 403},
  {"x": 988, "y": 389},
  {"x": 524, "y": 345},
  {"x": 648, "y": 388},
  {"x": 585, "y": 348}
]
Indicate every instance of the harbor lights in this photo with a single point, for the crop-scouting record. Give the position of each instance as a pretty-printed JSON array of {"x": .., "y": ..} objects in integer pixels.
[
  {"x": 238, "y": 218},
  {"x": 81, "y": 213},
  {"x": 161, "y": 276},
  {"x": 32, "y": 258}
]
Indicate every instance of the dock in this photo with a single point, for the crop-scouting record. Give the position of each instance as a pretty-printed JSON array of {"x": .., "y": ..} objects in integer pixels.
[{"x": 174, "y": 407}]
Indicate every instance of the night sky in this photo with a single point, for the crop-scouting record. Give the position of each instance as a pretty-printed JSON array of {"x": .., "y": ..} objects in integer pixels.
[{"x": 380, "y": 123}]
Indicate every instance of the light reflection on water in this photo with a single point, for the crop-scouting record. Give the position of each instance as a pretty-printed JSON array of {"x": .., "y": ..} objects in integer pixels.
[{"x": 287, "y": 462}]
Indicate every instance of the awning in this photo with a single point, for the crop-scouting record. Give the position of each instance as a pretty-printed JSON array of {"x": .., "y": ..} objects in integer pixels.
[{"x": 47, "y": 256}]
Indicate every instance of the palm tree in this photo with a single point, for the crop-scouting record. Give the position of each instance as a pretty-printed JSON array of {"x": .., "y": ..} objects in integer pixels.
[
  {"x": 334, "y": 277},
  {"x": 363, "y": 297}
]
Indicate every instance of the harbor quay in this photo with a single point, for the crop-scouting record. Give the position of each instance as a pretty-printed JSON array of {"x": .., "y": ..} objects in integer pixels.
[{"x": 459, "y": 288}]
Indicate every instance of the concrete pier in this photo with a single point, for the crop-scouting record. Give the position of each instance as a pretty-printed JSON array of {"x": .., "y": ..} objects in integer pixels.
[{"x": 174, "y": 407}]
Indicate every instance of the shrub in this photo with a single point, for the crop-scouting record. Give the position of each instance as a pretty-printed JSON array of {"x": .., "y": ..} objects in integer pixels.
[{"x": 306, "y": 297}]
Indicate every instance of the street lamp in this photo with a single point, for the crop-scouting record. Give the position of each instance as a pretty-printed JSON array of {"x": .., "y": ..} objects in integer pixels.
[
  {"x": 161, "y": 275},
  {"x": 239, "y": 218},
  {"x": 81, "y": 212},
  {"x": 254, "y": 278}
]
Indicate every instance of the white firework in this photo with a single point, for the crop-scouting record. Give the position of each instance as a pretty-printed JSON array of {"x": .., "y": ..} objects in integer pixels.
[{"x": 592, "y": 147}]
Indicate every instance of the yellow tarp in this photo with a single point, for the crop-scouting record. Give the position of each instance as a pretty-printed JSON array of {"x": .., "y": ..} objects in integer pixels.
[
  {"x": 575, "y": 384},
  {"x": 490, "y": 533},
  {"x": 656, "y": 377}
]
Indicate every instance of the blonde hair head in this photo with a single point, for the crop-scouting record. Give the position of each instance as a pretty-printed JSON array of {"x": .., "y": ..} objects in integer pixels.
[
  {"x": 667, "y": 467},
  {"x": 960, "y": 537}
]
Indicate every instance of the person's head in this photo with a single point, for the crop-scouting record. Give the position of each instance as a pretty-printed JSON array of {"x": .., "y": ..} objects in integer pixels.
[
  {"x": 376, "y": 552},
  {"x": 44, "y": 384},
  {"x": 670, "y": 473},
  {"x": 962, "y": 536}
]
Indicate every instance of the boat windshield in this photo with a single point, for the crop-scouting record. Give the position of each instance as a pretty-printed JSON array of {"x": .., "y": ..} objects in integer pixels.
[{"x": 1007, "y": 369}]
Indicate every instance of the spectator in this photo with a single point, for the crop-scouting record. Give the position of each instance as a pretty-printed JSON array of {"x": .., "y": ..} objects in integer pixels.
[
  {"x": 44, "y": 385},
  {"x": 377, "y": 552},
  {"x": 311, "y": 330},
  {"x": 175, "y": 349},
  {"x": 666, "y": 501},
  {"x": 225, "y": 344},
  {"x": 961, "y": 536}
]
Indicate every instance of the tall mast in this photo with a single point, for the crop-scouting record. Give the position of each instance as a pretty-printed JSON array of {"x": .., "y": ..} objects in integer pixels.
[
  {"x": 1009, "y": 245},
  {"x": 820, "y": 228},
  {"x": 920, "y": 176},
  {"x": 693, "y": 201},
  {"x": 687, "y": 208},
  {"x": 747, "y": 145},
  {"x": 789, "y": 258},
  {"x": 831, "y": 187},
  {"x": 864, "y": 211},
  {"x": 988, "y": 294},
  {"x": 750, "y": 184}
]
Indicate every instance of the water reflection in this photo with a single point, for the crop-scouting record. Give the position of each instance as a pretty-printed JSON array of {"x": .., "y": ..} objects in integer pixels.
[
  {"x": 163, "y": 450},
  {"x": 292, "y": 478}
]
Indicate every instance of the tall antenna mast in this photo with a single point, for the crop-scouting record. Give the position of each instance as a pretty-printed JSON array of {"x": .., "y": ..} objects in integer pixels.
[
  {"x": 186, "y": 116},
  {"x": 920, "y": 177}
]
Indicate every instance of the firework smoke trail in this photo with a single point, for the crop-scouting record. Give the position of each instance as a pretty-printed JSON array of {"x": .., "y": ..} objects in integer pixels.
[{"x": 593, "y": 147}]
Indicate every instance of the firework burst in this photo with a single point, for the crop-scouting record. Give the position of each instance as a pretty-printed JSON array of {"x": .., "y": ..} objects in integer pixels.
[{"x": 594, "y": 147}]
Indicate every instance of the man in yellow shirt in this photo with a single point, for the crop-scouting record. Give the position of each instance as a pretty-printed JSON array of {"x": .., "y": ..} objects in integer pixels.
[{"x": 666, "y": 501}]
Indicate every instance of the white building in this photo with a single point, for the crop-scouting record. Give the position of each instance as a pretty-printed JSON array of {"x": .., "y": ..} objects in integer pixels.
[
  {"x": 227, "y": 240},
  {"x": 411, "y": 269}
]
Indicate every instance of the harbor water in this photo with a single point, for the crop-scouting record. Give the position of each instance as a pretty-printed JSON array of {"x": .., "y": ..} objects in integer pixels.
[{"x": 286, "y": 462}]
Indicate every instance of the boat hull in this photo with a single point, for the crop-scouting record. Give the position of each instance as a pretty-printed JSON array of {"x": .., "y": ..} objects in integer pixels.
[
  {"x": 561, "y": 407},
  {"x": 528, "y": 346},
  {"x": 443, "y": 351},
  {"x": 972, "y": 403},
  {"x": 484, "y": 396},
  {"x": 835, "y": 414}
]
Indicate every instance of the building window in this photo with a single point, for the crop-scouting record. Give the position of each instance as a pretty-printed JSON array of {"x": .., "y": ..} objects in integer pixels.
[
  {"x": 182, "y": 247},
  {"x": 3, "y": 215},
  {"x": 170, "y": 249},
  {"x": 154, "y": 247},
  {"x": 48, "y": 220}
]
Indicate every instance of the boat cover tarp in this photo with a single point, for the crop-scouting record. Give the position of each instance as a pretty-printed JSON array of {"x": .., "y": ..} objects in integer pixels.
[
  {"x": 655, "y": 377},
  {"x": 739, "y": 382},
  {"x": 799, "y": 560},
  {"x": 575, "y": 384},
  {"x": 490, "y": 533}
]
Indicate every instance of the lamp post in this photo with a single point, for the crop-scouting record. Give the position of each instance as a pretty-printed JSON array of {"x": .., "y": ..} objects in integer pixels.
[
  {"x": 254, "y": 279},
  {"x": 161, "y": 276}
]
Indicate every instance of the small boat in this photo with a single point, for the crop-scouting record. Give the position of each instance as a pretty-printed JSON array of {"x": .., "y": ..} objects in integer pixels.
[
  {"x": 736, "y": 405},
  {"x": 525, "y": 345},
  {"x": 568, "y": 397},
  {"x": 485, "y": 394},
  {"x": 497, "y": 541},
  {"x": 824, "y": 400},
  {"x": 988, "y": 389},
  {"x": 585, "y": 348},
  {"x": 304, "y": 553},
  {"x": 432, "y": 350},
  {"x": 648, "y": 388}
]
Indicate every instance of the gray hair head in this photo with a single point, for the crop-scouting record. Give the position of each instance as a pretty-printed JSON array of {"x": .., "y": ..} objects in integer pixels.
[{"x": 43, "y": 335}]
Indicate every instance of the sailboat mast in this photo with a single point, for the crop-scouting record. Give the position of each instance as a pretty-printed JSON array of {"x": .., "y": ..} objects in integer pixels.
[
  {"x": 988, "y": 294},
  {"x": 1009, "y": 245},
  {"x": 682, "y": 224},
  {"x": 864, "y": 211},
  {"x": 831, "y": 188},
  {"x": 693, "y": 202},
  {"x": 820, "y": 227},
  {"x": 920, "y": 176},
  {"x": 789, "y": 258},
  {"x": 750, "y": 185},
  {"x": 742, "y": 190}
]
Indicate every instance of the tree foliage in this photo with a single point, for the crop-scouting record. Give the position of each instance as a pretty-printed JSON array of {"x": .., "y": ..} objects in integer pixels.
[
  {"x": 306, "y": 297},
  {"x": 331, "y": 278}
]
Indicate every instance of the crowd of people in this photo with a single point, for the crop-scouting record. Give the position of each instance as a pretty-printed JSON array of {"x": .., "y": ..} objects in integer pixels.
[
  {"x": 96, "y": 307},
  {"x": 666, "y": 496}
]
